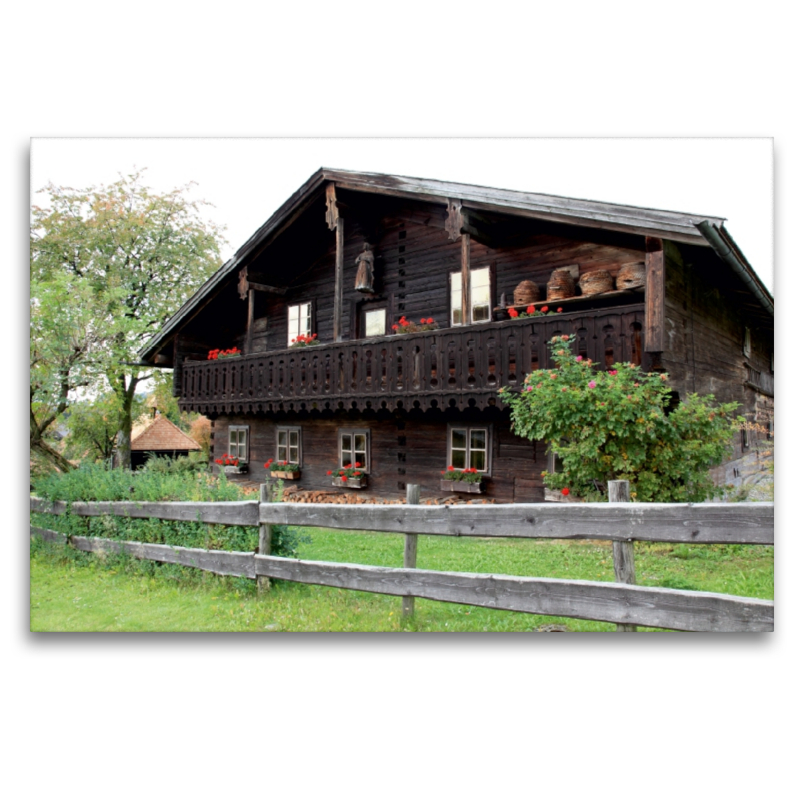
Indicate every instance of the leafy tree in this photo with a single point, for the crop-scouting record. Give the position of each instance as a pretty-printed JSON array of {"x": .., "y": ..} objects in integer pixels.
[
  {"x": 617, "y": 425},
  {"x": 137, "y": 256},
  {"x": 65, "y": 348},
  {"x": 92, "y": 427}
]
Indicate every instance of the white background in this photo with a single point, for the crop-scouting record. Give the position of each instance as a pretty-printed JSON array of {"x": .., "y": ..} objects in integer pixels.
[{"x": 391, "y": 716}]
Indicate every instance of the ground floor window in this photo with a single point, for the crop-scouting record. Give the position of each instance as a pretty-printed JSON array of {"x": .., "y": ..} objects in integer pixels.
[
  {"x": 468, "y": 448},
  {"x": 238, "y": 436},
  {"x": 354, "y": 448},
  {"x": 289, "y": 445}
]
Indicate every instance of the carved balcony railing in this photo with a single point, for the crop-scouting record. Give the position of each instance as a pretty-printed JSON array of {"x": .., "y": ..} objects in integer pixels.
[
  {"x": 760, "y": 381},
  {"x": 452, "y": 367}
]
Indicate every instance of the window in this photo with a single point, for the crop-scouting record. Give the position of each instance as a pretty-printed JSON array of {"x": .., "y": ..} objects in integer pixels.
[
  {"x": 375, "y": 322},
  {"x": 746, "y": 348},
  {"x": 237, "y": 442},
  {"x": 299, "y": 321},
  {"x": 468, "y": 448},
  {"x": 354, "y": 448},
  {"x": 480, "y": 296},
  {"x": 288, "y": 445}
]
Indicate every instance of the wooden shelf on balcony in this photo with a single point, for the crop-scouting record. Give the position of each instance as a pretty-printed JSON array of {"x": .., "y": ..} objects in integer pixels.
[{"x": 577, "y": 300}]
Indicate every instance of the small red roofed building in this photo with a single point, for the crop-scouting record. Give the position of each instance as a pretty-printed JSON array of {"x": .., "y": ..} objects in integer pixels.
[{"x": 159, "y": 437}]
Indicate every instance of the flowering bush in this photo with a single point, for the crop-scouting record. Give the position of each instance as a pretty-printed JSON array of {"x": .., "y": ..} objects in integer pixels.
[
  {"x": 532, "y": 311},
  {"x": 425, "y": 324},
  {"x": 304, "y": 340},
  {"x": 616, "y": 425},
  {"x": 213, "y": 355},
  {"x": 227, "y": 461},
  {"x": 470, "y": 475},
  {"x": 348, "y": 471}
]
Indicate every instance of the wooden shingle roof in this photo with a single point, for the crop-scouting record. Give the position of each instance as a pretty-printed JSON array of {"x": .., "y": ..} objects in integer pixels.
[{"x": 161, "y": 435}]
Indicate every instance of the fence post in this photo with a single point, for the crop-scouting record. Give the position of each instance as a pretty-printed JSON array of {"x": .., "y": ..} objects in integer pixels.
[
  {"x": 619, "y": 492},
  {"x": 410, "y": 549},
  {"x": 264, "y": 538}
]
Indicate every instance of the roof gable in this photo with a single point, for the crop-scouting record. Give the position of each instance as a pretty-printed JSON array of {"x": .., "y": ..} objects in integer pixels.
[{"x": 161, "y": 434}]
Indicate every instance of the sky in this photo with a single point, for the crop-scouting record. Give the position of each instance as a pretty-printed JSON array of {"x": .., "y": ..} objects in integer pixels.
[{"x": 247, "y": 179}]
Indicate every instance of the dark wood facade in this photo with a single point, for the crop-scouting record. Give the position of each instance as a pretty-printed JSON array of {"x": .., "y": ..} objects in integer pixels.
[{"x": 696, "y": 317}]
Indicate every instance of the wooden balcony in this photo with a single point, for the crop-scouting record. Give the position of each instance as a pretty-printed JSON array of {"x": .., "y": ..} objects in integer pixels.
[{"x": 453, "y": 367}]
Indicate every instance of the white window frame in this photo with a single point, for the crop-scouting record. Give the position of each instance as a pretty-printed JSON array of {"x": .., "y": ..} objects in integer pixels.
[
  {"x": 456, "y": 290},
  {"x": 288, "y": 430},
  {"x": 351, "y": 458},
  {"x": 301, "y": 324},
  {"x": 487, "y": 429},
  {"x": 235, "y": 448}
]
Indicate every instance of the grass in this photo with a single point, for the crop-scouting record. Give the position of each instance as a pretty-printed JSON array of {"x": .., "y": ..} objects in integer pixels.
[{"x": 73, "y": 591}]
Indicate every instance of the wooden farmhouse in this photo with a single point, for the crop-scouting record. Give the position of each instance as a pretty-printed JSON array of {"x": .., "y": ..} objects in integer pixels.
[{"x": 351, "y": 254}]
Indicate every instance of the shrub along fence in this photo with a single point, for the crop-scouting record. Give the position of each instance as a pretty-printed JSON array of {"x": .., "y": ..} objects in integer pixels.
[{"x": 622, "y": 603}]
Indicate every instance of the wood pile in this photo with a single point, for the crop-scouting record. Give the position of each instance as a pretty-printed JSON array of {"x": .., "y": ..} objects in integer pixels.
[
  {"x": 631, "y": 276},
  {"x": 596, "y": 282},
  {"x": 295, "y": 495},
  {"x": 561, "y": 284}
]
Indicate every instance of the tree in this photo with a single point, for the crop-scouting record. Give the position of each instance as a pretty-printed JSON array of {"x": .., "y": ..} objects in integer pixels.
[
  {"x": 65, "y": 350},
  {"x": 137, "y": 256},
  {"x": 618, "y": 425}
]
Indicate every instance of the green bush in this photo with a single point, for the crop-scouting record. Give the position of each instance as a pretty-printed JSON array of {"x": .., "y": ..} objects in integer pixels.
[
  {"x": 96, "y": 482},
  {"x": 617, "y": 425}
]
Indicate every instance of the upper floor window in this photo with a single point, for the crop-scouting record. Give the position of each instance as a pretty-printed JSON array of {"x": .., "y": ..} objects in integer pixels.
[
  {"x": 288, "y": 445},
  {"x": 480, "y": 296},
  {"x": 468, "y": 448},
  {"x": 237, "y": 442},
  {"x": 746, "y": 346},
  {"x": 299, "y": 321},
  {"x": 375, "y": 322}
]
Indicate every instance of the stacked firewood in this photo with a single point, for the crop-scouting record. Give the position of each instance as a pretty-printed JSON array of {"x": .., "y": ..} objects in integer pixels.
[{"x": 294, "y": 495}]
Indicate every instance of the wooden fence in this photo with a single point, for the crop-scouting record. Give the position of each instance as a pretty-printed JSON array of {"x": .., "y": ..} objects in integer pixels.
[{"x": 620, "y": 603}]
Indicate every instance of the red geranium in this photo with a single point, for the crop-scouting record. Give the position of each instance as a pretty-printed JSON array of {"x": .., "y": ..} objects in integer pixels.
[
  {"x": 565, "y": 491},
  {"x": 513, "y": 313}
]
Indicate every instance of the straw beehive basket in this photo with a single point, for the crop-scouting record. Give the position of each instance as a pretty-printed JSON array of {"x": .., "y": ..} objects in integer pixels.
[
  {"x": 630, "y": 276},
  {"x": 596, "y": 282},
  {"x": 561, "y": 285},
  {"x": 526, "y": 292}
]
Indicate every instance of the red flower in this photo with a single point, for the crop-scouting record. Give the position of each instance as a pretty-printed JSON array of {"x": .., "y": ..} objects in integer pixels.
[
  {"x": 430, "y": 320},
  {"x": 358, "y": 463},
  {"x": 530, "y": 310},
  {"x": 394, "y": 327},
  {"x": 559, "y": 310},
  {"x": 513, "y": 313},
  {"x": 545, "y": 309},
  {"x": 565, "y": 491},
  {"x": 330, "y": 472},
  {"x": 451, "y": 467}
]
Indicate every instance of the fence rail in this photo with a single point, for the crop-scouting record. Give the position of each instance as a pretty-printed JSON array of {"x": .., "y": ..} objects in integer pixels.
[{"x": 608, "y": 602}]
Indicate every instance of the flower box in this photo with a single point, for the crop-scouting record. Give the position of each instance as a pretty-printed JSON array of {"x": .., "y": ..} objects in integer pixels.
[
  {"x": 287, "y": 476},
  {"x": 555, "y": 496},
  {"x": 461, "y": 486},
  {"x": 351, "y": 483},
  {"x": 240, "y": 469}
]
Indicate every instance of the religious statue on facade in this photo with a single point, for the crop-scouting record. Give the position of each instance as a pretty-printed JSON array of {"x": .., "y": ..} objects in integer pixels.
[{"x": 364, "y": 277}]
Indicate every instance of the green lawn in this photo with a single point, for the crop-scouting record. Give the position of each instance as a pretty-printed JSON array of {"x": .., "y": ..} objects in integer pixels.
[{"x": 73, "y": 591}]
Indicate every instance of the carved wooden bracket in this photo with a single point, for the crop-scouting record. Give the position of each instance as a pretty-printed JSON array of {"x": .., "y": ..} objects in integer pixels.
[
  {"x": 455, "y": 219},
  {"x": 244, "y": 284},
  {"x": 332, "y": 209}
]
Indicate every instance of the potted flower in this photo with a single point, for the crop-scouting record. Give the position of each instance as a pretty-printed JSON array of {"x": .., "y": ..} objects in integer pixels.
[
  {"x": 532, "y": 311},
  {"x": 304, "y": 340},
  {"x": 350, "y": 476},
  {"x": 283, "y": 469},
  {"x": 230, "y": 465},
  {"x": 405, "y": 326},
  {"x": 468, "y": 480},
  {"x": 233, "y": 352}
]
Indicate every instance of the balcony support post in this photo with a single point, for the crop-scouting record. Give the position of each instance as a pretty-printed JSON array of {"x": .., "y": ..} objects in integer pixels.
[
  {"x": 465, "y": 279},
  {"x": 338, "y": 283},
  {"x": 654, "y": 292}
]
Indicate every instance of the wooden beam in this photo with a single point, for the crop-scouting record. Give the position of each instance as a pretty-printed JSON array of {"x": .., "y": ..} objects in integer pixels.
[
  {"x": 703, "y": 523},
  {"x": 609, "y": 602},
  {"x": 331, "y": 206},
  {"x": 338, "y": 290},
  {"x": 410, "y": 547},
  {"x": 263, "y": 287},
  {"x": 264, "y": 538},
  {"x": 251, "y": 304},
  {"x": 465, "y": 279},
  {"x": 654, "y": 296},
  {"x": 619, "y": 492}
]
